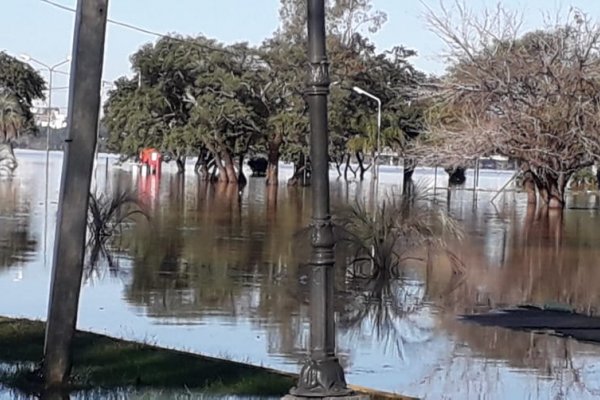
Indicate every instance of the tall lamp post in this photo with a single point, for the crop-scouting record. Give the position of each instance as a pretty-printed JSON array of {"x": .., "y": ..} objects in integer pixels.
[
  {"x": 378, "y": 100},
  {"x": 322, "y": 375},
  {"x": 50, "y": 68}
]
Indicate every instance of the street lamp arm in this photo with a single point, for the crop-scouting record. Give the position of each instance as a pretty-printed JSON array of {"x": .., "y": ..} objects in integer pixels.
[
  {"x": 365, "y": 93},
  {"x": 27, "y": 58},
  {"x": 378, "y": 100},
  {"x": 68, "y": 59}
]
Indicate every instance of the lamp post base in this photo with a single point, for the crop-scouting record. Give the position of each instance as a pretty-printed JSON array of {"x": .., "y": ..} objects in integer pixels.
[
  {"x": 347, "y": 397},
  {"x": 321, "y": 379}
]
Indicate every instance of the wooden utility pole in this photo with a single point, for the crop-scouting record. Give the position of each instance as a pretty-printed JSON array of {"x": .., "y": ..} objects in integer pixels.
[{"x": 70, "y": 238}]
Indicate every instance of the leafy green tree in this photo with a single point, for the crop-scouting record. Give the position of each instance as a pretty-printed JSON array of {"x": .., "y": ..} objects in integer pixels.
[
  {"x": 19, "y": 79},
  {"x": 19, "y": 86},
  {"x": 191, "y": 96},
  {"x": 287, "y": 122}
]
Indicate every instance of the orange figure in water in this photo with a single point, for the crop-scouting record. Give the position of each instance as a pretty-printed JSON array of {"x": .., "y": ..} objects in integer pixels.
[{"x": 152, "y": 159}]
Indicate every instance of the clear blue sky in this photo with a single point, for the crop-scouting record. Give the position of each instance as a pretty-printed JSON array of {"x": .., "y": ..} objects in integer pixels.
[{"x": 45, "y": 32}]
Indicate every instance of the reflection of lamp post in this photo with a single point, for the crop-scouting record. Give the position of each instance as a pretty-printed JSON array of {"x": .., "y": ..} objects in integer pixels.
[
  {"x": 103, "y": 87},
  {"x": 378, "y": 100},
  {"x": 322, "y": 375}
]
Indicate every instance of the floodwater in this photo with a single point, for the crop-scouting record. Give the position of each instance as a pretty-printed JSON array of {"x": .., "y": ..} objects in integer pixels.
[{"x": 223, "y": 273}]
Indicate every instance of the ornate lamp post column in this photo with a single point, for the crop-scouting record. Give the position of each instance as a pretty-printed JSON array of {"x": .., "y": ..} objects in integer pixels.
[{"x": 322, "y": 375}]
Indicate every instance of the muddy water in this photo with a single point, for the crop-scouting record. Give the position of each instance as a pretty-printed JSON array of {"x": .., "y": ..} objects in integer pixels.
[{"x": 223, "y": 273}]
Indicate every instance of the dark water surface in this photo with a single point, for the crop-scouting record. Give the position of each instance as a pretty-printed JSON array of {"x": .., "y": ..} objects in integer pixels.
[{"x": 222, "y": 273}]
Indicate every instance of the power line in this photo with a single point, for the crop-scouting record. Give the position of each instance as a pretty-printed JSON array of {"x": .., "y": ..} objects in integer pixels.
[{"x": 140, "y": 29}]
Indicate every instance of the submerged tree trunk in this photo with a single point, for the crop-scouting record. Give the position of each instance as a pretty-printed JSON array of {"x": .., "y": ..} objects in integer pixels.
[
  {"x": 338, "y": 166},
  {"x": 229, "y": 168},
  {"x": 205, "y": 159},
  {"x": 529, "y": 186},
  {"x": 273, "y": 160},
  {"x": 273, "y": 171},
  {"x": 407, "y": 173},
  {"x": 556, "y": 191},
  {"x": 456, "y": 176},
  {"x": 301, "y": 175},
  {"x": 348, "y": 167},
  {"x": 221, "y": 172},
  {"x": 241, "y": 178},
  {"x": 199, "y": 162},
  {"x": 551, "y": 188},
  {"x": 360, "y": 158},
  {"x": 8, "y": 161},
  {"x": 180, "y": 161}
]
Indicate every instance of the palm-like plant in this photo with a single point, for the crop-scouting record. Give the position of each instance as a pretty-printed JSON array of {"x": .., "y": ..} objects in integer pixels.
[
  {"x": 106, "y": 217},
  {"x": 383, "y": 241},
  {"x": 377, "y": 246}
]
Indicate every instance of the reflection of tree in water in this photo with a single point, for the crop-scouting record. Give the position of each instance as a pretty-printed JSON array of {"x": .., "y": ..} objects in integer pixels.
[
  {"x": 387, "y": 310},
  {"x": 547, "y": 260},
  {"x": 17, "y": 244},
  {"x": 557, "y": 367},
  {"x": 215, "y": 254},
  {"x": 377, "y": 251}
]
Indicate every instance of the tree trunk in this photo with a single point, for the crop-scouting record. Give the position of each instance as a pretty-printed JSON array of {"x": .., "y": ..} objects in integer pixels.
[
  {"x": 301, "y": 172},
  {"x": 202, "y": 163},
  {"x": 273, "y": 160},
  {"x": 199, "y": 162},
  {"x": 551, "y": 187},
  {"x": 338, "y": 166},
  {"x": 456, "y": 176},
  {"x": 360, "y": 159},
  {"x": 222, "y": 173},
  {"x": 204, "y": 172},
  {"x": 407, "y": 173},
  {"x": 273, "y": 172},
  {"x": 180, "y": 161},
  {"x": 529, "y": 185},
  {"x": 556, "y": 192},
  {"x": 229, "y": 168},
  {"x": 241, "y": 178},
  {"x": 347, "y": 167}
]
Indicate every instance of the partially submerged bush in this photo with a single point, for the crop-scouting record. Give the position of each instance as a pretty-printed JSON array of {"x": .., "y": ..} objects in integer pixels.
[
  {"x": 380, "y": 243},
  {"x": 107, "y": 214}
]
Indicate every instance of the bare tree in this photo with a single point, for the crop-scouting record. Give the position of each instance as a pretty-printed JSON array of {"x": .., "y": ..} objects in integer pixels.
[{"x": 534, "y": 97}]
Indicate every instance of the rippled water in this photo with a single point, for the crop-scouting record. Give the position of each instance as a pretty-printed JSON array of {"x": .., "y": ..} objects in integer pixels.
[{"x": 222, "y": 273}]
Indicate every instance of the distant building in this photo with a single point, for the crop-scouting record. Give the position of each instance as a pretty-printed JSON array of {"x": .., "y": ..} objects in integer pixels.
[{"x": 44, "y": 116}]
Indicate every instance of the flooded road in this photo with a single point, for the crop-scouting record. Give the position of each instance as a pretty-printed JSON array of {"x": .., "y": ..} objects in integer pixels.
[{"x": 223, "y": 273}]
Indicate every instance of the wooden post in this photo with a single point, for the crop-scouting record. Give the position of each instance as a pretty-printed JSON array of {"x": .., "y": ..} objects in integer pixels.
[{"x": 69, "y": 248}]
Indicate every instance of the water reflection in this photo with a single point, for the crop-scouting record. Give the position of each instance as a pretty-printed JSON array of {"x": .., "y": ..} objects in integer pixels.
[
  {"x": 223, "y": 273},
  {"x": 17, "y": 244}
]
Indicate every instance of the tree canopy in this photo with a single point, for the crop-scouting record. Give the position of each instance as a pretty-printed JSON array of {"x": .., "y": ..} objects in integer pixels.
[
  {"x": 19, "y": 86},
  {"x": 194, "y": 96},
  {"x": 533, "y": 97}
]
